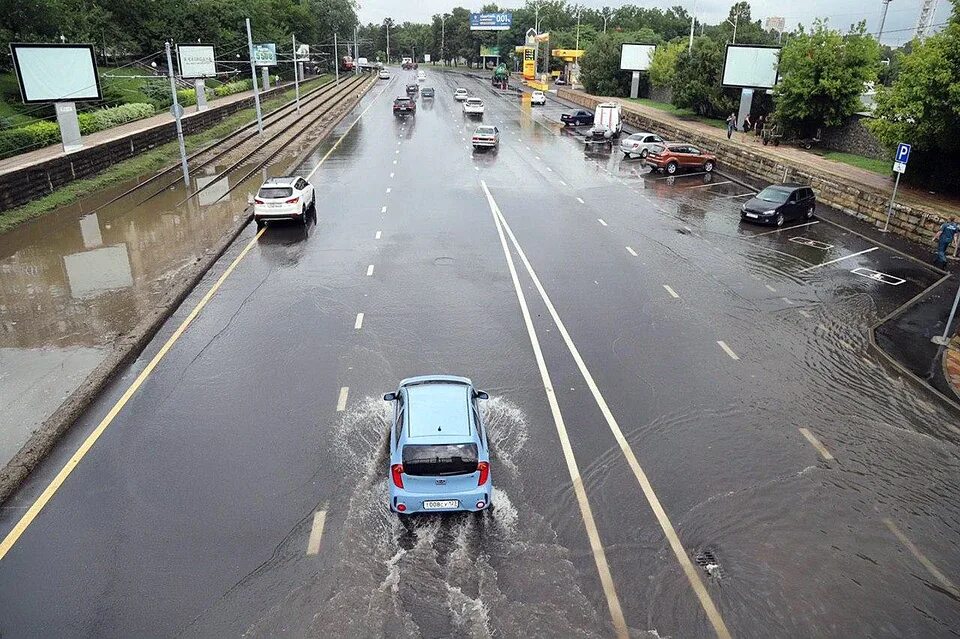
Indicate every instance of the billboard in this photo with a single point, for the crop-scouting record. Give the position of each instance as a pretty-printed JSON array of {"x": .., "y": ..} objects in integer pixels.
[
  {"x": 196, "y": 61},
  {"x": 489, "y": 52},
  {"x": 491, "y": 21},
  {"x": 56, "y": 72},
  {"x": 265, "y": 55},
  {"x": 635, "y": 56},
  {"x": 750, "y": 66}
]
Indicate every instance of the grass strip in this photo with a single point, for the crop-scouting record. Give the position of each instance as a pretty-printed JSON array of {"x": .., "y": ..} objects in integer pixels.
[
  {"x": 683, "y": 114},
  {"x": 883, "y": 167},
  {"x": 151, "y": 161}
]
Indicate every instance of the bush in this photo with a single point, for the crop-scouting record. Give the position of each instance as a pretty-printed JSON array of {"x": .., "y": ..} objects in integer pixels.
[
  {"x": 28, "y": 137},
  {"x": 101, "y": 119},
  {"x": 229, "y": 88},
  {"x": 158, "y": 92}
]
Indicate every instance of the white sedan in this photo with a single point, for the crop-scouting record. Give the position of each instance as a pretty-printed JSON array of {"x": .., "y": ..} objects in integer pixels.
[
  {"x": 384, "y": 74},
  {"x": 460, "y": 95},
  {"x": 538, "y": 97},
  {"x": 473, "y": 106}
]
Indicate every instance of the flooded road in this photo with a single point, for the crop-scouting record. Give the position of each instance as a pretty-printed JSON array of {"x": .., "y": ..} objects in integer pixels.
[{"x": 720, "y": 411}]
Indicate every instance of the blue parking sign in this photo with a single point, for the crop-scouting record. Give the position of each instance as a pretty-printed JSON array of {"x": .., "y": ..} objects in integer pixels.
[{"x": 903, "y": 153}]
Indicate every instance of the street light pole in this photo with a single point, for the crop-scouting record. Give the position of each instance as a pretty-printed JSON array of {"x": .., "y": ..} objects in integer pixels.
[
  {"x": 736, "y": 21},
  {"x": 443, "y": 24},
  {"x": 296, "y": 72},
  {"x": 693, "y": 22},
  {"x": 883, "y": 19},
  {"x": 387, "y": 23},
  {"x": 336, "y": 59},
  {"x": 577, "y": 45}
]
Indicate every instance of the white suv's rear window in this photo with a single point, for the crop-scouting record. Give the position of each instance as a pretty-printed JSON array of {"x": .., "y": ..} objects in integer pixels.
[{"x": 275, "y": 192}]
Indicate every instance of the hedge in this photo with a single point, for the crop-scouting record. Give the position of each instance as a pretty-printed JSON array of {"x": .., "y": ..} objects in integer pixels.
[
  {"x": 25, "y": 138},
  {"x": 101, "y": 119},
  {"x": 229, "y": 88}
]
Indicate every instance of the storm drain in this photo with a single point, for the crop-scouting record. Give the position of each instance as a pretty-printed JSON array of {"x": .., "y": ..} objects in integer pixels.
[{"x": 706, "y": 558}]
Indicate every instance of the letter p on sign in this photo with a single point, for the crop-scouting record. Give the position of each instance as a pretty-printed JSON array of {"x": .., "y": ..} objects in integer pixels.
[{"x": 903, "y": 153}]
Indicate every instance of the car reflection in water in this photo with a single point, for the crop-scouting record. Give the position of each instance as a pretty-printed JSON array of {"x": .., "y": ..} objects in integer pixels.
[{"x": 284, "y": 243}]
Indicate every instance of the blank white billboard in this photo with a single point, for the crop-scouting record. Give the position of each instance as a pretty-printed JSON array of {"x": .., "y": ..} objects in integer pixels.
[
  {"x": 750, "y": 66},
  {"x": 56, "y": 72},
  {"x": 196, "y": 60},
  {"x": 636, "y": 57}
]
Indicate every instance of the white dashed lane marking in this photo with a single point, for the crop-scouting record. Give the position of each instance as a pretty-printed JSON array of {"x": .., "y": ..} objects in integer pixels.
[
  {"x": 342, "y": 398},
  {"x": 631, "y": 251},
  {"x": 316, "y": 532},
  {"x": 601, "y": 221},
  {"x": 816, "y": 444},
  {"x": 727, "y": 350},
  {"x": 672, "y": 292},
  {"x": 359, "y": 323},
  {"x": 370, "y": 270}
]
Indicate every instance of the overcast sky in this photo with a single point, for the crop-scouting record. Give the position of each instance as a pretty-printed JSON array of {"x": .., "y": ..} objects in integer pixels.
[{"x": 901, "y": 16}]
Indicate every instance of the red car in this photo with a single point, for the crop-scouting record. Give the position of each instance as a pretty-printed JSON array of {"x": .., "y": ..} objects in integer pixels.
[
  {"x": 673, "y": 156},
  {"x": 403, "y": 107}
]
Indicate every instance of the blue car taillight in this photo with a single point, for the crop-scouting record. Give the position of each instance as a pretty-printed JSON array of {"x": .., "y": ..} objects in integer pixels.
[
  {"x": 397, "y": 471},
  {"x": 484, "y": 468}
]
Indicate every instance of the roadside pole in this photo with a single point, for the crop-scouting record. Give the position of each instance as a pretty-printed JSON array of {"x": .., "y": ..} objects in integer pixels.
[
  {"x": 943, "y": 340},
  {"x": 356, "y": 52},
  {"x": 893, "y": 197},
  {"x": 336, "y": 60},
  {"x": 177, "y": 111},
  {"x": 296, "y": 80},
  {"x": 900, "y": 167},
  {"x": 253, "y": 76}
]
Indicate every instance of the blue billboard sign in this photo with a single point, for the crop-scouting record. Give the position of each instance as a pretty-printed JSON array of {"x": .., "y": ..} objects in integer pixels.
[{"x": 491, "y": 21}]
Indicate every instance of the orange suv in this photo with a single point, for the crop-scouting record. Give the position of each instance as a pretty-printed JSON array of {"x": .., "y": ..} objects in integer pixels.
[{"x": 673, "y": 156}]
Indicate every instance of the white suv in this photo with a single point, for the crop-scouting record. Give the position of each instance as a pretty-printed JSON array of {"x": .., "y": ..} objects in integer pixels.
[
  {"x": 473, "y": 106},
  {"x": 460, "y": 94},
  {"x": 284, "y": 198}
]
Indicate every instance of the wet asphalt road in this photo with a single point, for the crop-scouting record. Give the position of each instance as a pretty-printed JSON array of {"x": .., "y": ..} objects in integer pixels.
[{"x": 193, "y": 513}]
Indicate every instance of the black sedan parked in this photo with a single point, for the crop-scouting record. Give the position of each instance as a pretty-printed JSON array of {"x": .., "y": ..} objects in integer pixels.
[
  {"x": 780, "y": 203},
  {"x": 580, "y": 118}
]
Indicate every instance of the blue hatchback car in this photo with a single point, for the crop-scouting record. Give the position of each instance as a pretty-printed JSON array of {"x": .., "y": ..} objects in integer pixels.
[{"x": 439, "y": 459}]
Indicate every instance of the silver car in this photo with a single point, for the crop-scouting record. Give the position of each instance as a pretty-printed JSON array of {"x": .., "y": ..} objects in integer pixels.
[{"x": 639, "y": 144}]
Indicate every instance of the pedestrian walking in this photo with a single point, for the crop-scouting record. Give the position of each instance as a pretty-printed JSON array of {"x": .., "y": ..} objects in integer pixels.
[
  {"x": 731, "y": 124},
  {"x": 758, "y": 128},
  {"x": 948, "y": 230},
  {"x": 747, "y": 124}
]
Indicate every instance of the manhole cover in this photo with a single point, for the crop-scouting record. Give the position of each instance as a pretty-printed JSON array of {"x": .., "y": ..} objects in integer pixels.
[
  {"x": 706, "y": 558},
  {"x": 443, "y": 261}
]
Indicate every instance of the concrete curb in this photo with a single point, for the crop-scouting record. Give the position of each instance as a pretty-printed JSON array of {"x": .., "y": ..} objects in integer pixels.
[
  {"x": 129, "y": 347},
  {"x": 951, "y": 365}
]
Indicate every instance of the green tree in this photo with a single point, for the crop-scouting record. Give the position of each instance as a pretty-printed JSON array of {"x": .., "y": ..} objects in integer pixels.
[
  {"x": 663, "y": 65},
  {"x": 600, "y": 65},
  {"x": 696, "y": 81},
  {"x": 822, "y": 75}
]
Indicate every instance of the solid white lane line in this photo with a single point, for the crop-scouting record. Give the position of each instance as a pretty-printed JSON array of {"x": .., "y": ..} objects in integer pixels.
[
  {"x": 931, "y": 568},
  {"x": 770, "y": 288},
  {"x": 787, "y": 228},
  {"x": 357, "y": 324},
  {"x": 727, "y": 349},
  {"x": 601, "y": 221},
  {"x": 669, "y": 531},
  {"x": 342, "y": 398},
  {"x": 816, "y": 444},
  {"x": 672, "y": 292},
  {"x": 631, "y": 251},
  {"x": 580, "y": 200},
  {"x": 586, "y": 512},
  {"x": 316, "y": 532},
  {"x": 703, "y": 186},
  {"x": 383, "y": 209},
  {"x": 804, "y": 313},
  {"x": 839, "y": 259},
  {"x": 370, "y": 270},
  {"x": 378, "y": 235}
]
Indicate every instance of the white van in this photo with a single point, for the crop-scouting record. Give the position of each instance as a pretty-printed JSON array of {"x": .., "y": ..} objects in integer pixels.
[{"x": 607, "y": 121}]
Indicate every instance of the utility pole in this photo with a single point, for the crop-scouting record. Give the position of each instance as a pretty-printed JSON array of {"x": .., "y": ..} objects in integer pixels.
[
  {"x": 356, "y": 51},
  {"x": 883, "y": 19},
  {"x": 177, "y": 112},
  {"x": 296, "y": 74},
  {"x": 253, "y": 76},
  {"x": 387, "y": 22},
  {"x": 443, "y": 24},
  {"x": 693, "y": 22},
  {"x": 577, "y": 45},
  {"x": 336, "y": 58}
]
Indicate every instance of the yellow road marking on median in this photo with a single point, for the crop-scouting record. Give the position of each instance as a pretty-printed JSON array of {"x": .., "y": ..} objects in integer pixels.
[
  {"x": 816, "y": 444},
  {"x": 931, "y": 568},
  {"x": 316, "y": 532},
  {"x": 669, "y": 531},
  {"x": 92, "y": 438},
  {"x": 52, "y": 488}
]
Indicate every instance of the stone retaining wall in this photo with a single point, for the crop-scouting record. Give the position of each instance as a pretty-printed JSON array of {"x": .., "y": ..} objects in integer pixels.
[
  {"x": 860, "y": 201},
  {"x": 35, "y": 181},
  {"x": 854, "y": 137}
]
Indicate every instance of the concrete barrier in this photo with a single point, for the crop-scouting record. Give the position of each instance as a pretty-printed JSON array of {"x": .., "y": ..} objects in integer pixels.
[{"x": 861, "y": 201}]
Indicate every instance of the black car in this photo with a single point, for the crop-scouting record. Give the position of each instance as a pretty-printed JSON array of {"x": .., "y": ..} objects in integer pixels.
[
  {"x": 427, "y": 92},
  {"x": 412, "y": 89},
  {"x": 780, "y": 203},
  {"x": 580, "y": 118}
]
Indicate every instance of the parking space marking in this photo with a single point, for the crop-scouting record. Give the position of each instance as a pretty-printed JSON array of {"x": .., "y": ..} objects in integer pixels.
[
  {"x": 877, "y": 276},
  {"x": 631, "y": 251},
  {"x": 601, "y": 221},
  {"x": 785, "y": 228},
  {"x": 770, "y": 288},
  {"x": 357, "y": 324},
  {"x": 586, "y": 512},
  {"x": 730, "y": 197},
  {"x": 580, "y": 200},
  {"x": 370, "y": 270},
  {"x": 685, "y": 175},
  {"x": 683, "y": 558},
  {"x": 316, "y": 532},
  {"x": 839, "y": 259},
  {"x": 378, "y": 235},
  {"x": 672, "y": 292},
  {"x": 342, "y": 398},
  {"x": 806, "y": 241},
  {"x": 703, "y": 186},
  {"x": 816, "y": 444},
  {"x": 727, "y": 350},
  {"x": 931, "y": 568}
]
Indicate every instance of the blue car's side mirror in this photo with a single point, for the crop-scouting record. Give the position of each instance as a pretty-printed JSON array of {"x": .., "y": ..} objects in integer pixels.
[
  {"x": 390, "y": 397},
  {"x": 481, "y": 395}
]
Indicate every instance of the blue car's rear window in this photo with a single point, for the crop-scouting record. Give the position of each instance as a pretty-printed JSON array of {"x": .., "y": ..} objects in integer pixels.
[{"x": 439, "y": 459}]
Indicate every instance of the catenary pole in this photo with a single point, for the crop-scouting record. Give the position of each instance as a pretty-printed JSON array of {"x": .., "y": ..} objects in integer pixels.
[
  {"x": 253, "y": 76},
  {"x": 177, "y": 111}
]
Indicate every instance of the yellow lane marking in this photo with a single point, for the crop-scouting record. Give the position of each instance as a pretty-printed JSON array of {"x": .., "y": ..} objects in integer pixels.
[
  {"x": 92, "y": 438},
  {"x": 51, "y": 489},
  {"x": 316, "y": 532},
  {"x": 931, "y": 568},
  {"x": 713, "y": 614},
  {"x": 586, "y": 512},
  {"x": 816, "y": 444}
]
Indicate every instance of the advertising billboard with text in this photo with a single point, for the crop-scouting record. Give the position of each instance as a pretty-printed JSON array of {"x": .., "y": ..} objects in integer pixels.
[
  {"x": 56, "y": 72},
  {"x": 491, "y": 21},
  {"x": 751, "y": 66},
  {"x": 196, "y": 61},
  {"x": 265, "y": 55}
]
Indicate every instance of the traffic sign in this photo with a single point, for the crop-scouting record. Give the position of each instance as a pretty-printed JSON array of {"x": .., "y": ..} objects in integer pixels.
[
  {"x": 900, "y": 167},
  {"x": 176, "y": 110},
  {"x": 903, "y": 154}
]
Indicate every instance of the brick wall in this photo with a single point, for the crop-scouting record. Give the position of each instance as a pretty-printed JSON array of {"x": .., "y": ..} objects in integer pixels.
[
  {"x": 860, "y": 201},
  {"x": 854, "y": 137},
  {"x": 22, "y": 186}
]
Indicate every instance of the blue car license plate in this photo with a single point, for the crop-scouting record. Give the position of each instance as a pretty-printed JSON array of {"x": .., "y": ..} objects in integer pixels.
[{"x": 441, "y": 504}]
